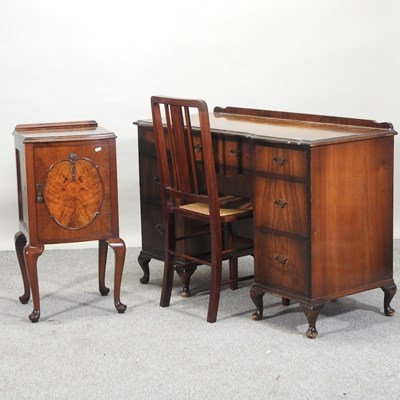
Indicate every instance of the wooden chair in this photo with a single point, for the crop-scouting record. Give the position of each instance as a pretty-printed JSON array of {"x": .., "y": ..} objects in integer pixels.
[{"x": 189, "y": 190}]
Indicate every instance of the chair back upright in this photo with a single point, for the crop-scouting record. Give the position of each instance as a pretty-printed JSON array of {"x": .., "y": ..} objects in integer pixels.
[{"x": 180, "y": 147}]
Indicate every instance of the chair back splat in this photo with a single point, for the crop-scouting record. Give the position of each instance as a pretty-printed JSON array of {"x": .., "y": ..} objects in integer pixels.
[{"x": 189, "y": 189}]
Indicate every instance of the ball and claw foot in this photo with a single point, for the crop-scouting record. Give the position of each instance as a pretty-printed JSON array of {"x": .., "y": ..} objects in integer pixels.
[
  {"x": 389, "y": 311},
  {"x": 34, "y": 316},
  {"x": 311, "y": 333},
  {"x": 257, "y": 316},
  {"x": 389, "y": 292},
  {"x": 120, "y": 307},
  {"x": 185, "y": 292}
]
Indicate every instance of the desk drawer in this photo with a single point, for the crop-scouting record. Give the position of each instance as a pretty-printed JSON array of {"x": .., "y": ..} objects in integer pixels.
[
  {"x": 281, "y": 263},
  {"x": 280, "y": 161},
  {"x": 231, "y": 156},
  {"x": 281, "y": 205}
]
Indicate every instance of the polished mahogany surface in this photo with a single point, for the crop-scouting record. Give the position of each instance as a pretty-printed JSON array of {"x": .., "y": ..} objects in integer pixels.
[{"x": 322, "y": 190}]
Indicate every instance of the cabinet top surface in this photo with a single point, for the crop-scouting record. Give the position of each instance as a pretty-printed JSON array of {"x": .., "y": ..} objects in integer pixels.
[
  {"x": 61, "y": 131},
  {"x": 292, "y": 128}
]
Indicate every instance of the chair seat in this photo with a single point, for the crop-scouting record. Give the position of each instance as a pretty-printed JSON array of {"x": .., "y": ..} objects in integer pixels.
[{"x": 202, "y": 208}]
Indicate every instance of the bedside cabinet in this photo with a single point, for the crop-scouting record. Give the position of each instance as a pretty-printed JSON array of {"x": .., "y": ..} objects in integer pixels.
[{"x": 67, "y": 192}]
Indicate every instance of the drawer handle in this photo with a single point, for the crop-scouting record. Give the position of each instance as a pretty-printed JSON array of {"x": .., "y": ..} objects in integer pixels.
[
  {"x": 156, "y": 179},
  {"x": 279, "y": 203},
  {"x": 235, "y": 152},
  {"x": 160, "y": 229},
  {"x": 281, "y": 260},
  {"x": 279, "y": 160},
  {"x": 197, "y": 148}
]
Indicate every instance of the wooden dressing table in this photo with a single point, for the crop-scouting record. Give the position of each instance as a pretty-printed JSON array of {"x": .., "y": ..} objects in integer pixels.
[{"x": 322, "y": 189}]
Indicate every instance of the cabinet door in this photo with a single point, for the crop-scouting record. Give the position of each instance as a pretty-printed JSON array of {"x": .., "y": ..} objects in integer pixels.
[{"x": 72, "y": 183}]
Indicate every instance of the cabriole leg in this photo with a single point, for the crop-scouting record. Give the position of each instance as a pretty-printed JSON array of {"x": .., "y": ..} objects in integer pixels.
[
  {"x": 144, "y": 261},
  {"x": 185, "y": 275},
  {"x": 256, "y": 295},
  {"x": 119, "y": 248},
  {"x": 312, "y": 313},
  {"x": 20, "y": 242},
  {"x": 103, "y": 250},
  {"x": 31, "y": 255},
  {"x": 389, "y": 291}
]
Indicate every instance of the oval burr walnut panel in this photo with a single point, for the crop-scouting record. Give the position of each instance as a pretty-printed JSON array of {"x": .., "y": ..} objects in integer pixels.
[{"x": 73, "y": 192}]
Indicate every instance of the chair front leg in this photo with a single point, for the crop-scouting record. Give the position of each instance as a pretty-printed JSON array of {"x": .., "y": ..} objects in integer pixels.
[{"x": 215, "y": 290}]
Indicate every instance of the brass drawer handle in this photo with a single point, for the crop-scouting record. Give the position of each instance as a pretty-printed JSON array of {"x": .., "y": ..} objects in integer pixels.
[
  {"x": 279, "y": 160},
  {"x": 281, "y": 260},
  {"x": 280, "y": 203},
  {"x": 197, "y": 148},
  {"x": 235, "y": 152},
  {"x": 160, "y": 229}
]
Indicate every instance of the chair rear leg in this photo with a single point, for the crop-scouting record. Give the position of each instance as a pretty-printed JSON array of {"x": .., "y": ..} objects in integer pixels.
[
  {"x": 233, "y": 272},
  {"x": 168, "y": 277},
  {"x": 168, "y": 280},
  {"x": 233, "y": 261}
]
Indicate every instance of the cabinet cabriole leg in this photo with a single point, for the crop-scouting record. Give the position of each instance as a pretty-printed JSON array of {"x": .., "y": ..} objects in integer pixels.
[
  {"x": 20, "y": 242},
  {"x": 389, "y": 291},
  {"x": 119, "y": 248},
  {"x": 103, "y": 250},
  {"x": 256, "y": 295},
  {"x": 312, "y": 313},
  {"x": 31, "y": 255}
]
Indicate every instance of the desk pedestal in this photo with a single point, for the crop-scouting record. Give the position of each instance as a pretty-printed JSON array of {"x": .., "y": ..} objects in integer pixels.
[{"x": 323, "y": 222}]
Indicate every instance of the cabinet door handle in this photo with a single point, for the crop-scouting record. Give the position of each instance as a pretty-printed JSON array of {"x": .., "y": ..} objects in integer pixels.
[
  {"x": 280, "y": 203},
  {"x": 279, "y": 160},
  {"x": 39, "y": 193},
  {"x": 156, "y": 179}
]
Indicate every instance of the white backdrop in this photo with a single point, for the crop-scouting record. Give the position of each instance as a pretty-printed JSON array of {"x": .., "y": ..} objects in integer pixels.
[{"x": 73, "y": 60}]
